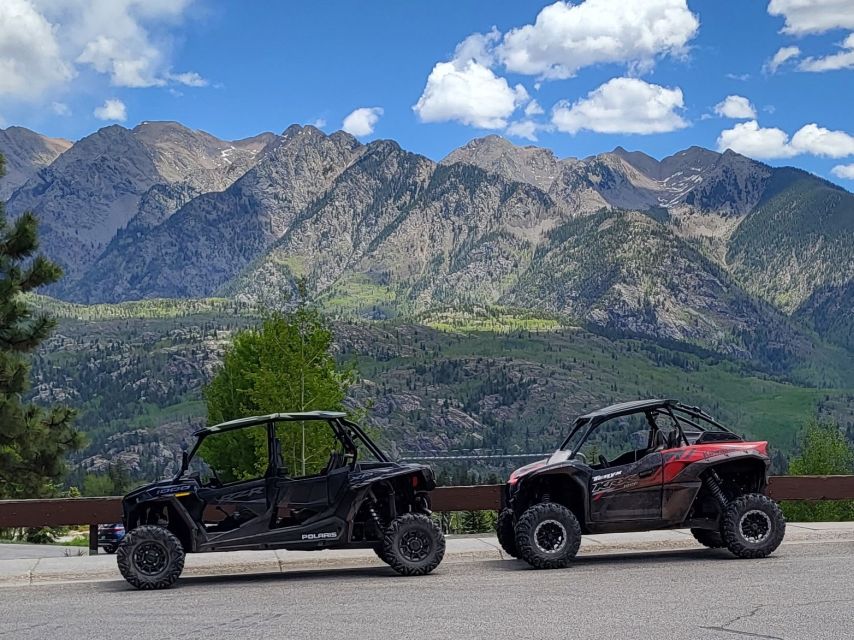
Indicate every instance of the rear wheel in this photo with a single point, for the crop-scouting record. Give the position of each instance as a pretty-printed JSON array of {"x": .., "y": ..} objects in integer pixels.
[
  {"x": 548, "y": 536},
  {"x": 505, "y": 529},
  {"x": 753, "y": 526},
  {"x": 413, "y": 545},
  {"x": 109, "y": 548},
  {"x": 708, "y": 538},
  {"x": 150, "y": 557}
]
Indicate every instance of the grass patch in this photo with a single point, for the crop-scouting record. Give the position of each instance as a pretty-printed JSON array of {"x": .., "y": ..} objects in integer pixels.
[{"x": 488, "y": 319}]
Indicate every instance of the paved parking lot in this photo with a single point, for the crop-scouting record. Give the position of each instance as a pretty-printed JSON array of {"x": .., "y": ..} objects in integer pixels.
[{"x": 802, "y": 592}]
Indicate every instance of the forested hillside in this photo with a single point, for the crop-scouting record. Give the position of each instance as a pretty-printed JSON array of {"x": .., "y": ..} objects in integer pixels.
[{"x": 484, "y": 379}]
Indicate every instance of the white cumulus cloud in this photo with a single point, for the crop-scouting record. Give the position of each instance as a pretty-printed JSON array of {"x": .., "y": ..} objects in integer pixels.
[
  {"x": 567, "y": 37},
  {"x": 466, "y": 90},
  {"x": 60, "y": 108},
  {"x": 749, "y": 139},
  {"x": 524, "y": 129},
  {"x": 533, "y": 109},
  {"x": 842, "y": 60},
  {"x": 362, "y": 121},
  {"x": 783, "y": 55},
  {"x": 112, "y": 109},
  {"x": 736, "y": 107},
  {"x": 31, "y": 62},
  {"x": 845, "y": 171},
  {"x": 125, "y": 39},
  {"x": 623, "y": 105},
  {"x": 819, "y": 141},
  {"x": 813, "y": 16},
  {"x": 45, "y": 43}
]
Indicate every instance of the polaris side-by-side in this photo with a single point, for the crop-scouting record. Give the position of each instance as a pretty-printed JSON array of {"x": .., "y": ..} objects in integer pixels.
[
  {"x": 358, "y": 499},
  {"x": 638, "y": 466}
]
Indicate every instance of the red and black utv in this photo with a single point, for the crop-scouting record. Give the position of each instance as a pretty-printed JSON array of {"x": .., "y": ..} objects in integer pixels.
[{"x": 638, "y": 466}]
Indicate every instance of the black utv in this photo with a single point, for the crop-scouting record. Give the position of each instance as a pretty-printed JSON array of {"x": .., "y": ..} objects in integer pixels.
[{"x": 358, "y": 499}]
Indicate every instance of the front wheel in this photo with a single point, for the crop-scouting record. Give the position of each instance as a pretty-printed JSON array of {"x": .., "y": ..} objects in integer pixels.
[
  {"x": 753, "y": 526},
  {"x": 380, "y": 554},
  {"x": 150, "y": 557},
  {"x": 505, "y": 529},
  {"x": 413, "y": 545},
  {"x": 548, "y": 536},
  {"x": 708, "y": 538}
]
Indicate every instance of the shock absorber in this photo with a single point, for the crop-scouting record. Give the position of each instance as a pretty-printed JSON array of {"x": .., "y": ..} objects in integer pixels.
[
  {"x": 375, "y": 516},
  {"x": 713, "y": 484}
]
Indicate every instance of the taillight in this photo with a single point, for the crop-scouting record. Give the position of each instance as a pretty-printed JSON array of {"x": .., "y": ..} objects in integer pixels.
[{"x": 415, "y": 481}]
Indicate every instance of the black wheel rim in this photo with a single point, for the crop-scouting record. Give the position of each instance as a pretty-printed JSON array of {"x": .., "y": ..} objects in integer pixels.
[
  {"x": 150, "y": 558},
  {"x": 755, "y": 526},
  {"x": 415, "y": 545},
  {"x": 550, "y": 536}
]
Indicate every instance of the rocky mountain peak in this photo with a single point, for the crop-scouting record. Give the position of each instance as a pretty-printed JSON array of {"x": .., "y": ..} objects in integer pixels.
[
  {"x": 25, "y": 152},
  {"x": 691, "y": 159},
  {"x": 647, "y": 165},
  {"x": 492, "y": 153},
  {"x": 165, "y": 210}
]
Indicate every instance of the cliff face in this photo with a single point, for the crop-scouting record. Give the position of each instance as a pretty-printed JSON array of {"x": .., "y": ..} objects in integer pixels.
[{"x": 716, "y": 250}]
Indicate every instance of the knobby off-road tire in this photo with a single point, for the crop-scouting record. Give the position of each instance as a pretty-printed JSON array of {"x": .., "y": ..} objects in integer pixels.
[
  {"x": 505, "y": 529},
  {"x": 548, "y": 536},
  {"x": 150, "y": 557},
  {"x": 380, "y": 554},
  {"x": 413, "y": 545},
  {"x": 709, "y": 538},
  {"x": 753, "y": 526}
]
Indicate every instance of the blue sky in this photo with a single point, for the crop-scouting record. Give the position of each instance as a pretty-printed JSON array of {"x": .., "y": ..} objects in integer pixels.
[{"x": 644, "y": 74}]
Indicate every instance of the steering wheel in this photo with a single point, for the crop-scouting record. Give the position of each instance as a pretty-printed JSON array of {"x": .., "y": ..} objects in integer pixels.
[
  {"x": 603, "y": 460},
  {"x": 580, "y": 456}
]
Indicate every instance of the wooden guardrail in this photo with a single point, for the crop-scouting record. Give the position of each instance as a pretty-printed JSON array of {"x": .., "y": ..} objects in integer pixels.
[{"x": 94, "y": 511}]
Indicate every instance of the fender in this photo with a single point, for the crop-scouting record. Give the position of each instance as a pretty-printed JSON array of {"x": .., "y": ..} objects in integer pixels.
[
  {"x": 687, "y": 464},
  {"x": 178, "y": 509},
  {"x": 562, "y": 472}
]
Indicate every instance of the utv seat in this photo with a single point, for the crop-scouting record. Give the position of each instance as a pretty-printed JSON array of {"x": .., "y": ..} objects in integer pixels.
[{"x": 659, "y": 442}]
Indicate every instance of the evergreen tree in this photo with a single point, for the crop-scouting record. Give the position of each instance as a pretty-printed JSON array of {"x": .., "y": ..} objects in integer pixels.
[
  {"x": 825, "y": 451},
  {"x": 286, "y": 365},
  {"x": 33, "y": 441}
]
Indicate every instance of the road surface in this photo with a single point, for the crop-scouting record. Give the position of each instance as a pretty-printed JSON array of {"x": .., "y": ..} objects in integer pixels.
[{"x": 802, "y": 592}]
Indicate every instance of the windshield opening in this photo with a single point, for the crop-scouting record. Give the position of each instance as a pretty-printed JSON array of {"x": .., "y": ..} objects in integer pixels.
[{"x": 576, "y": 436}]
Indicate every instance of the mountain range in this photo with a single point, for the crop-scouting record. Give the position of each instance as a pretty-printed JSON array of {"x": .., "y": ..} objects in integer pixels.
[{"x": 710, "y": 250}]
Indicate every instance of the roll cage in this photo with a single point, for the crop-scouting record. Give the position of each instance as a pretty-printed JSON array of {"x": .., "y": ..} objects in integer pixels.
[
  {"x": 348, "y": 433},
  {"x": 706, "y": 428}
]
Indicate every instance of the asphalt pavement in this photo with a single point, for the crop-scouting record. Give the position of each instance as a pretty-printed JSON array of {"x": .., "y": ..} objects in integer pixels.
[{"x": 803, "y": 591}]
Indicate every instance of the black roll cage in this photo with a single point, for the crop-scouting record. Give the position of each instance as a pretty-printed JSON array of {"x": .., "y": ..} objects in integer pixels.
[
  {"x": 348, "y": 433},
  {"x": 679, "y": 413}
]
